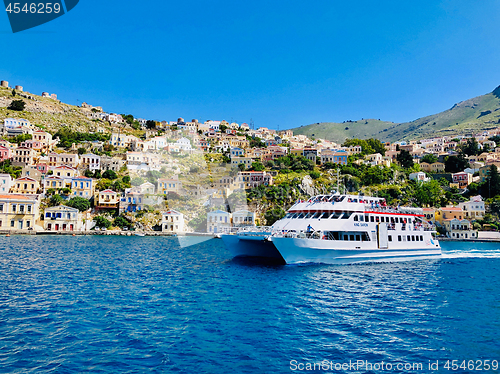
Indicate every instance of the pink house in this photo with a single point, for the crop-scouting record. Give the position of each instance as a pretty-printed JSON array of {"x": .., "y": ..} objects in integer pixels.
[{"x": 5, "y": 153}]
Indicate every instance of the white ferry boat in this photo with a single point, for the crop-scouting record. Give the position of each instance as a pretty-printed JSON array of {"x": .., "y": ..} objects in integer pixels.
[{"x": 340, "y": 229}]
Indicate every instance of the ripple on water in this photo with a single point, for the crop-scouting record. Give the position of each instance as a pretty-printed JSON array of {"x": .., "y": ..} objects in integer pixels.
[{"x": 132, "y": 304}]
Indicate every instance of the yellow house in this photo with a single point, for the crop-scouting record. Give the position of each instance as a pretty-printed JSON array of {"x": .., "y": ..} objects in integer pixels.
[
  {"x": 106, "y": 199},
  {"x": 166, "y": 185},
  {"x": 449, "y": 212},
  {"x": 18, "y": 212},
  {"x": 82, "y": 187},
  {"x": 436, "y": 167},
  {"x": 25, "y": 185}
]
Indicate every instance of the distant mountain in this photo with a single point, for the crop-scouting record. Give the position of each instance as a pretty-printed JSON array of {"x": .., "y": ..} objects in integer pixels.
[{"x": 466, "y": 117}]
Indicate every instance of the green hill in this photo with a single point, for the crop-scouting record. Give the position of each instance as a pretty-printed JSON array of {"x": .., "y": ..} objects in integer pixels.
[{"x": 466, "y": 117}]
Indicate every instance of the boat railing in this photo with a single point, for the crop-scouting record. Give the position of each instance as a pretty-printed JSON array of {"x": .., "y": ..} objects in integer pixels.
[{"x": 253, "y": 230}]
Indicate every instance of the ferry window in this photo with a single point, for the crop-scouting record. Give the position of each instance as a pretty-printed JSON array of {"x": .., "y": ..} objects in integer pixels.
[
  {"x": 301, "y": 215},
  {"x": 364, "y": 237},
  {"x": 358, "y": 238},
  {"x": 408, "y": 238},
  {"x": 377, "y": 218},
  {"x": 288, "y": 215},
  {"x": 413, "y": 238},
  {"x": 361, "y": 218},
  {"x": 336, "y": 215},
  {"x": 382, "y": 219},
  {"x": 390, "y": 238},
  {"x": 294, "y": 215},
  {"x": 316, "y": 215},
  {"x": 356, "y": 217},
  {"x": 351, "y": 237},
  {"x": 325, "y": 215},
  {"x": 336, "y": 235},
  {"x": 366, "y": 218},
  {"x": 354, "y": 200},
  {"x": 347, "y": 215},
  {"x": 421, "y": 238},
  {"x": 372, "y": 219},
  {"x": 308, "y": 215},
  {"x": 399, "y": 238}
]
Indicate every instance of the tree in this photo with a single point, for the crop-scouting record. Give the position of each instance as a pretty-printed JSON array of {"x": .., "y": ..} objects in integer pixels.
[
  {"x": 88, "y": 173},
  {"x": 222, "y": 128},
  {"x": 150, "y": 124},
  {"x": 454, "y": 164},
  {"x": 55, "y": 200},
  {"x": 18, "y": 105},
  {"x": 428, "y": 193},
  {"x": 273, "y": 215},
  {"x": 471, "y": 148},
  {"x": 81, "y": 151},
  {"x": 13, "y": 92},
  {"x": 109, "y": 174},
  {"x": 405, "y": 159},
  {"x": 122, "y": 222},
  {"x": 257, "y": 166},
  {"x": 314, "y": 174},
  {"x": 429, "y": 158},
  {"x": 79, "y": 203},
  {"x": 491, "y": 187},
  {"x": 126, "y": 179},
  {"x": 102, "y": 222},
  {"x": 241, "y": 167},
  {"x": 97, "y": 174}
]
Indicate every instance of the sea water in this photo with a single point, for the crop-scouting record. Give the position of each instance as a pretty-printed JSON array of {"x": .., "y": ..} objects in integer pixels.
[{"x": 145, "y": 304}]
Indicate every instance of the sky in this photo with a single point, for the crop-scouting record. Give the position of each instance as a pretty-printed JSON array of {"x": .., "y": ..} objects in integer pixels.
[{"x": 282, "y": 64}]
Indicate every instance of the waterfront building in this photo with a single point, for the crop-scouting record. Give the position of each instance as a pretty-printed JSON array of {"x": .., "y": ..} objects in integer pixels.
[
  {"x": 18, "y": 212},
  {"x": 243, "y": 218},
  {"x": 172, "y": 221},
  {"x": 218, "y": 221},
  {"x": 459, "y": 229},
  {"x": 62, "y": 218}
]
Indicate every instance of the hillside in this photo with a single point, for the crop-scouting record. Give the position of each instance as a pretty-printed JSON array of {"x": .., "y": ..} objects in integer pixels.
[
  {"x": 466, "y": 117},
  {"x": 48, "y": 113}
]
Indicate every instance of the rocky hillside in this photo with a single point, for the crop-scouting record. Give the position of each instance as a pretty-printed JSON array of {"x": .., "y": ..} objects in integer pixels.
[
  {"x": 466, "y": 117},
  {"x": 48, "y": 113}
]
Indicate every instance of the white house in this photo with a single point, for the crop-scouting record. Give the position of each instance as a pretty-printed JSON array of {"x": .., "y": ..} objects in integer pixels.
[
  {"x": 5, "y": 183},
  {"x": 172, "y": 221},
  {"x": 474, "y": 208},
  {"x": 243, "y": 218},
  {"x": 419, "y": 177},
  {"x": 218, "y": 221},
  {"x": 62, "y": 218}
]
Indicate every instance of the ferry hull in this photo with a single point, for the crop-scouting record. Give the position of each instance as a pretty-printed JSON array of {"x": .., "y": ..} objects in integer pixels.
[
  {"x": 254, "y": 246},
  {"x": 297, "y": 250}
]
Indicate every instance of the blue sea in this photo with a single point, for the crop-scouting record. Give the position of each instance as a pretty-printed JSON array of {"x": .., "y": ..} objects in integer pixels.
[{"x": 147, "y": 305}]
